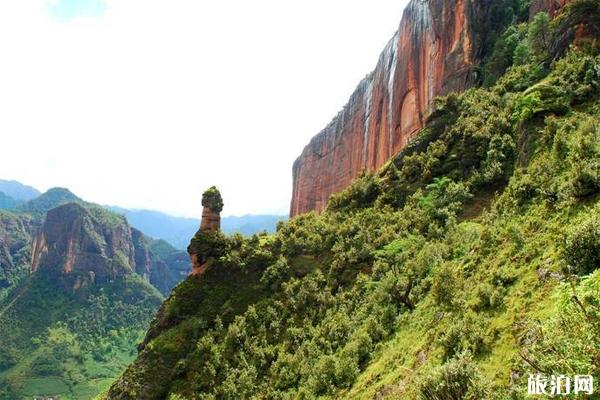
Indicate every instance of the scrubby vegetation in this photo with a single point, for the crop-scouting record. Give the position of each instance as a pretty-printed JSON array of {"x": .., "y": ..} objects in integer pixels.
[{"x": 467, "y": 263}]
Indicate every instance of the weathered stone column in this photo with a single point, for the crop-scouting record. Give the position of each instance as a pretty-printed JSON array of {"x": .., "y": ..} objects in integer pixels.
[{"x": 200, "y": 247}]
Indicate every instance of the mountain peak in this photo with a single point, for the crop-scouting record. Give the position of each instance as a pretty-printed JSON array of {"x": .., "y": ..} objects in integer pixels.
[{"x": 52, "y": 198}]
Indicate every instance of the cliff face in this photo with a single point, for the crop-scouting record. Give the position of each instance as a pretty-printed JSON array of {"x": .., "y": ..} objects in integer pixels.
[
  {"x": 82, "y": 248},
  {"x": 435, "y": 51},
  {"x": 163, "y": 268},
  {"x": 431, "y": 54},
  {"x": 85, "y": 246}
]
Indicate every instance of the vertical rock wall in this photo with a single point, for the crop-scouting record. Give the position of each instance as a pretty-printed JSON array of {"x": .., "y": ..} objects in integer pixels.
[{"x": 432, "y": 53}]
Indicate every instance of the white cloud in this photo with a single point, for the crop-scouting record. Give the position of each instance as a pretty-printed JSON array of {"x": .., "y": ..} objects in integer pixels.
[{"x": 153, "y": 101}]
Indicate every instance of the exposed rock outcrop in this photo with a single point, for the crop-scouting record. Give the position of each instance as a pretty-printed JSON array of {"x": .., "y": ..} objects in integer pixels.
[
  {"x": 431, "y": 54},
  {"x": 142, "y": 255},
  {"x": 82, "y": 248},
  {"x": 203, "y": 243},
  {"x": 164, "y": 267},
  {"x": 212, "y": 205},
  {"x": 436, "y": 50}
]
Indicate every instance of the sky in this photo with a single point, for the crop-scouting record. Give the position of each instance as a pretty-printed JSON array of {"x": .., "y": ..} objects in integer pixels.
[{"x": 146, "y": 103}]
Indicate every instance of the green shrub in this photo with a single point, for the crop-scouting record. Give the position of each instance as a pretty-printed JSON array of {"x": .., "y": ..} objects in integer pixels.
[
  {"x": 464, "y": 334},
  {"x": 502, "y": 57},
  {"x": 457, "y": 379},
  {"x": 276, "y": 274},
  {"x": 445, "y": 286},
  {"x": 488, "y": 297},
  {"x": 209, "y": 245},
  {"x": 582, "y": 246},
  {"x": 362, "y": 193},
  {"x": 584, "y": 159},
  {"x": 539, "y": 35}
]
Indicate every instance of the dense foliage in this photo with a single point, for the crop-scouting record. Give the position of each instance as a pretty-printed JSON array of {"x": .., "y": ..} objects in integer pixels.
[
  {"x": 212, "y": 199},
  {"x": 72, "y": 344},
  {"x": 435, "y": 278}
]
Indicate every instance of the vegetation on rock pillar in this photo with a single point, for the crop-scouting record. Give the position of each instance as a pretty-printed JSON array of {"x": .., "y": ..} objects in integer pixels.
[
  {"x": 212, "y": 199},
  {"x": 208, "y": 243}
]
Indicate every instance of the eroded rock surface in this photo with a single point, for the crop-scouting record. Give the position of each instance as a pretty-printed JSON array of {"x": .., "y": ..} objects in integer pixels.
[
  {"x": 436, "y": 50},
  {"x": 203, "y": 243}
]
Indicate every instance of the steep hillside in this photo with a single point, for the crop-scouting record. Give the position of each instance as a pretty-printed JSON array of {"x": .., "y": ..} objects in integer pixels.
[
  {"x": 16, "y": 231},
  {"x": 466, "y": 263}
]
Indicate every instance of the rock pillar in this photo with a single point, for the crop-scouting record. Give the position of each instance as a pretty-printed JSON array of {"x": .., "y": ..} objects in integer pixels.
[{"x": 201, "y": 245}]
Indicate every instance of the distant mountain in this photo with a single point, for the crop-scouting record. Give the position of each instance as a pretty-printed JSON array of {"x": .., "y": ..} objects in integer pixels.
[
  {"x": 18, "y": 191},
  {"x": 251, "y": 224},
  {"x": 7, "y": 202},
  {"x": 175, "y": 230},
  {"x": 178, "y": 230},
  {"x": 51, "y": 199}
]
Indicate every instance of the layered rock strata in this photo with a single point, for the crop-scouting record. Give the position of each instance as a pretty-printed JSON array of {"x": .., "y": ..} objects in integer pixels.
[
  {"x": 435, "y": 51},
  {"x": 210, "y": 225}
]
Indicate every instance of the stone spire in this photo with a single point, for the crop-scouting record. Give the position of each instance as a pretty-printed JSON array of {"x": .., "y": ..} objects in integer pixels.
[
  {"x": 204, "y": 242},
  {"x": 212, "y": 204}
]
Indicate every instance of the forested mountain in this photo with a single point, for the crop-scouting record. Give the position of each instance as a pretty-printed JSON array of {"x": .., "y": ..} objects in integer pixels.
[{"x": 78, "y": 287}]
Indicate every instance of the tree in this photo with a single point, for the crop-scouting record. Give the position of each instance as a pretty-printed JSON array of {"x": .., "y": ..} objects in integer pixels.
[{"x": 540, "y": 36}]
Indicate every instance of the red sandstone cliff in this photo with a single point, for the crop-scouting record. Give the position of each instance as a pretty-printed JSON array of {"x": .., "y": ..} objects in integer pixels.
[
  {"x": 431, "y": 54},
  {"x": 434, "y": 52},
  {"x": 83, "y": 246}
]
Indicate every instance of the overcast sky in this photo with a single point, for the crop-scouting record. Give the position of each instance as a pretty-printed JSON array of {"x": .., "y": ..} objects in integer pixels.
[{"x": 145, "y": 103}]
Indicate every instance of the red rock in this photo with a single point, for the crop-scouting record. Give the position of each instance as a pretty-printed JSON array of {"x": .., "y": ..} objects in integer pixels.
[
  {"x": 210, "y": 224},
  {"x": 81, "y": 249},
  {"x": 552, "y": 7},
  {"x": 211, "y": 220},
  {"x": 431, "y": 54}
]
